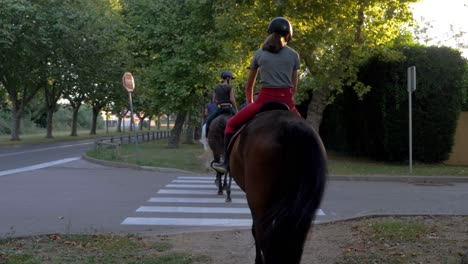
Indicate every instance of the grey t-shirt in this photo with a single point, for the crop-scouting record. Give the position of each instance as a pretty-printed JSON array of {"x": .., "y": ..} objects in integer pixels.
[{"x": 275, "y": 69}]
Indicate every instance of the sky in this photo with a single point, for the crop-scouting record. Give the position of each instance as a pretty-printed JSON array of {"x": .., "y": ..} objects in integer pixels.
[{"x": 441, "y": 14}]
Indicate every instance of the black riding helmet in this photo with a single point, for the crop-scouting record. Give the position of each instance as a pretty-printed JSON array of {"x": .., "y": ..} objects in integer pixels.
[
  {"x": 226, "y": 74},
  {"x": 281, "y": 26}
]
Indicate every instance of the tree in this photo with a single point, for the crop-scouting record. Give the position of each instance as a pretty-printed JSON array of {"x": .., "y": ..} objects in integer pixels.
[
  {"x": 176, "y": 46},
  {"x": 105, "y": 48},
  {"x": 23, "y": 55}
]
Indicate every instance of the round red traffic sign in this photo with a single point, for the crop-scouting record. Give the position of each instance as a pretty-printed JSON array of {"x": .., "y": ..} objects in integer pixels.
[{"x": 128, "y": 82}]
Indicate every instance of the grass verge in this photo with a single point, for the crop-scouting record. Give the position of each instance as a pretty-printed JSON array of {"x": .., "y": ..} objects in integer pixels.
[
  {"x": 187, "y": 157},
  {"x": 92, "y": 249},
  {"x": 156, "y": 154}
]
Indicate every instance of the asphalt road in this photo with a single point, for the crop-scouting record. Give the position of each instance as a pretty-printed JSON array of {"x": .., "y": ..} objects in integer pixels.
[
  {"x": 21, "y": 156},
  {"x": 82, "y": 197}
]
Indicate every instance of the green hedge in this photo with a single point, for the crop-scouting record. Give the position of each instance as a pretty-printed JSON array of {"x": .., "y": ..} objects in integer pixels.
[{"x": 377, "y": 125}]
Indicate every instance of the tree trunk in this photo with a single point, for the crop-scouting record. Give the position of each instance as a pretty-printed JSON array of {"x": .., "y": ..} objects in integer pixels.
[
  {"x": 149, "y": 122},
  {"x": 50, "y": 117},
  {"x": 142, "y": 119},
  {"x": 74, "y": 126},
  {"x": 119, "y": 124},
  {"x": 94, "y": 124},
  {"x": 16, "y": 116},
  {"x": 168, "y": 122},
  {"x": 190, "y": 131},
  {"x": 316, "y": 108},
  {"x": 159, "y": 122},
  {"x": 177, "y": 130},
  {"x": 52, "y": 94}
]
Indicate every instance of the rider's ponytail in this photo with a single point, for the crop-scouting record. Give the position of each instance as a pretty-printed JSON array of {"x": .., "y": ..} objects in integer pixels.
[{"x": 273, "y": 43}]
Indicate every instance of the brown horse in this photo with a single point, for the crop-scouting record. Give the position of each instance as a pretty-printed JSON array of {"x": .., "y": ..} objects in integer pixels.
[
  {"x": 280, "y": 163},
  {"x": 216, "y": 143}
]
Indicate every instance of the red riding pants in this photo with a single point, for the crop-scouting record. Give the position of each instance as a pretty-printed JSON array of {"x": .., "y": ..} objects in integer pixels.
[{"x": 283, "y": 95}]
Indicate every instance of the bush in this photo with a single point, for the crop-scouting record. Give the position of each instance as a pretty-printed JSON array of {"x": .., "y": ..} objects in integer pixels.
[
  {"x": 5, "y": 123},
  {"x": 377, "y": 125}
]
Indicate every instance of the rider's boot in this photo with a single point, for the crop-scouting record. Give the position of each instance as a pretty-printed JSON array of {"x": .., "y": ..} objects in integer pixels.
[{"x": 224, "y": 167}]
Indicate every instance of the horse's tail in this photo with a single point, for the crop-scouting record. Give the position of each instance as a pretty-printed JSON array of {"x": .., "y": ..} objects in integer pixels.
[{"x": 304, "y": 171}]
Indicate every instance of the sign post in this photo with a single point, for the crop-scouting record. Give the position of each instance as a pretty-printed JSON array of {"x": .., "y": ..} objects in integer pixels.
[
  {"x": 411, "y": 89},
  {"x": 129, "y": 85}
]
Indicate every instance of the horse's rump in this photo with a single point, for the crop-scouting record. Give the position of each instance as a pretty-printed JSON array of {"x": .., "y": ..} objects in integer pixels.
[
  {"x": 280, "y": 162},
  {"x": 216, "y": 133}
]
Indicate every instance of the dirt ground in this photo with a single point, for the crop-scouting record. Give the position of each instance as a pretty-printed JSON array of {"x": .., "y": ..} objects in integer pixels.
[{"x": 416, "y": 239}]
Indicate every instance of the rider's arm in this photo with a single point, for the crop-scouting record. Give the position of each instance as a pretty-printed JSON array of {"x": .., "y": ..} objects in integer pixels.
[
  {"x": 294, "y": 81},
  {"x": 250, "y": 84},
  {"x": 233, "y": 98}
]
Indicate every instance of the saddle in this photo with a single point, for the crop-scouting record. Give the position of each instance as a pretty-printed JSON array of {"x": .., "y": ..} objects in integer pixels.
[
  {"x": 268, "y": 106},
  {"x": 224, "y": 105}
]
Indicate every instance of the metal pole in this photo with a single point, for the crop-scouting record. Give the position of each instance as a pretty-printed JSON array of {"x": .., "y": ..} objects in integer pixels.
[
  {"x": 411, "y": 89},
  {"x": 410, "y": 133},
  {"x": 133, "y": 122}
]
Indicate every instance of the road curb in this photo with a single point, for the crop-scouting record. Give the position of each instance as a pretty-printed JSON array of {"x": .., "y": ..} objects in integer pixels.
[
  {"x": 407, "y": 179},
  {"x": 378, "y": 178}
]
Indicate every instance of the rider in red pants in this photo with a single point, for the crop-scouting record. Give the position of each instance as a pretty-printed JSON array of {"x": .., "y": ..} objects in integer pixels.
[{"x": 278, "y": 66}]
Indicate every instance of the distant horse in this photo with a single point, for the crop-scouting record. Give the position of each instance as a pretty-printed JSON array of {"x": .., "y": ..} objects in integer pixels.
[
  {"x": 279, "y": 161},
  {"x": 216, "y": 143}
]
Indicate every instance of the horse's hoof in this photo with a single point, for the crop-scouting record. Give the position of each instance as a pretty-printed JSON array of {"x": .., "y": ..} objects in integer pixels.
[
  {"x": 228, "y": 200},
  {"x": 220, "y": 192}
]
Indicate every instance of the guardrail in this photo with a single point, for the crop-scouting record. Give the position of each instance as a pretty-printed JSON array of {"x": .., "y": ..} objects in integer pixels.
[{"x": 118, "y": 140}]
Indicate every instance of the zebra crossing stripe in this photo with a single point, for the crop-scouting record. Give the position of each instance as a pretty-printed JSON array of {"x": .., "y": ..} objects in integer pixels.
[
  {"x": 194, "y": 200},
  {"x": 196, "y": 186},
  {"x": 187, "y": 221},
  {"x": 202, "y": 210},
  {"x": 195, "y": 192},
  {"x": 193, "y": 181},
  {"x": 196, "y": 178}
]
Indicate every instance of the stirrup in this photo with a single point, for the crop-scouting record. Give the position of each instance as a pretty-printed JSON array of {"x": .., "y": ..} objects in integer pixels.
[{"x": 219, "y": 167}]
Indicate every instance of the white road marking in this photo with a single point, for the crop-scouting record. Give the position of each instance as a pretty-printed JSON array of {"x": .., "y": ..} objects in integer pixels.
[
  {"x": 195, "y": 178},
  {"x": 37, "y": 166},
  {"x": 186, "y": 221},
  {"x": 196, "y": 186},
  {"x": 194, "y": 181},
  {"x": 195, "y": 192},
  {"x": 205, "y": 187},
  {"x": 202, "y": 210},
  {"x": 193, "y": 200},
  {"x": 43, "y": 149}
]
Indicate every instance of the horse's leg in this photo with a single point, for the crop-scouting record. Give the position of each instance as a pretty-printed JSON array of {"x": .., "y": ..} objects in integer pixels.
[
  {"x": 219, "y": 182},
  {"x": 228, "y": 187},
  {"x": 258, "y": 251}
]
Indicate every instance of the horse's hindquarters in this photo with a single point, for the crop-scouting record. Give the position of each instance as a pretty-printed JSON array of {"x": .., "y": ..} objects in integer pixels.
[{"x": 280, "y": 162}]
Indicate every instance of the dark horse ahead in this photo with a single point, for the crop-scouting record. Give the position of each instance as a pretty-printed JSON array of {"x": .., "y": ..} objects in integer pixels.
[
  {"x": 280, "y": 163},
  {"x": 215, "y": 141}
]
